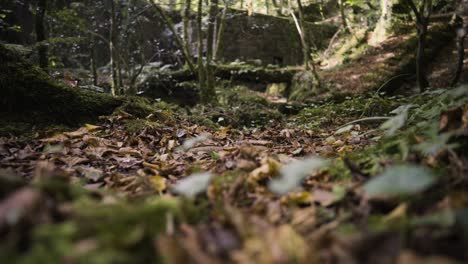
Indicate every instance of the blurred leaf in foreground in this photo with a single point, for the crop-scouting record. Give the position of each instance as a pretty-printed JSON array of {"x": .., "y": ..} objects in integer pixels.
[
  {"x": 293, "y": 174},
  {"x": 193, "y": 184},
  {"x": 400, "y": 180}
]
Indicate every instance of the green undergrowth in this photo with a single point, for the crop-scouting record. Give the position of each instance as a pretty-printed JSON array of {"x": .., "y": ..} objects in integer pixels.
[
  {"x": 419, "y": 138},
  {"x": 238, "y": 107},
  {"x": 341, "y": 110},
  {"x": 422, "y": 144}
]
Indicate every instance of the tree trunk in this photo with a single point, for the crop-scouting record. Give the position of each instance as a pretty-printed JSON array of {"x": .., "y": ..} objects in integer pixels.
[
  {"x": 420, "y": 59},
  {"x": 186, "y": 22},
  {"x": 384, "y": 24},
  {"x": 305, "y": 43},
  {"x": 422, "y": 23},
  {"x": 201, "y": 68},
  {"x": 115, "y": 84},
  {"x": 209, "y": 94},
  {"x": 92, "y": 55},
  {"x": 221, "y": 25},
  {"x": 41, "y": 34},
  {"x": 461, "y": 35},
  {"x": 343, "y": 16}
]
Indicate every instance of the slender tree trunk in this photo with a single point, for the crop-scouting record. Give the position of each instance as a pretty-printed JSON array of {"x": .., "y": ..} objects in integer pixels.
[
  {"x": 305, "y": 43},
  {"x": 41, "y": 34},
  {"x": 201, "y": 68},
  {"x": 343, "y": 16},
  {"x": 186, "y": 22},
  {"x": 420, "y": 59},
  {"x": 92, "y": 55},
  {"x": 221, "y": 25},
  {"x": 322, "y": 15},
  {"x": 115, "y": 85},
  {"x": 461, "y": 35},
  {"x": 210, "y": 79},
  {"x": 422, "y": 23}
]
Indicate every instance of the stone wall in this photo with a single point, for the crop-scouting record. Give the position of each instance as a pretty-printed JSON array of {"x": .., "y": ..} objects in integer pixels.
[{"x": 273, "y": 40}]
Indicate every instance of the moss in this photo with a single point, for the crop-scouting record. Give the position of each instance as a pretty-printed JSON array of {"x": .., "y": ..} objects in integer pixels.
[
  {"x": 243, "y": 107},
  {"x": 26, "y": 91},
  {"x": 339, "y": 111},
  {"x": 349, "y": 43},
  {"x": 134, "y": 126},
  {"x": 138, "y": 106}
]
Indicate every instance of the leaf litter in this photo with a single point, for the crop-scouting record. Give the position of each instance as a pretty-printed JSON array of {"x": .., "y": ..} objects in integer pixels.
[{"x": 176, "y": 191}]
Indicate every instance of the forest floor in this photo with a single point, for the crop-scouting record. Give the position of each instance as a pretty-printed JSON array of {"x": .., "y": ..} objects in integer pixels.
[
  {"x": 360, "y": 179},
  {"x": 166, "y": 187}
]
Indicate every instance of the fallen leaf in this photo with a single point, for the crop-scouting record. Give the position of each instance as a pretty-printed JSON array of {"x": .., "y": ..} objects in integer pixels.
[
  {"x": 91, "y": 173},
  {"x": 269, "y": 168},
  {"x": 92, "y": 128},
  {"x": 158, "y": 183}
]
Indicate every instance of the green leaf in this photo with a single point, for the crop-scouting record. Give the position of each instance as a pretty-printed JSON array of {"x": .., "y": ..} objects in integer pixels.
[{"x": 400, "y": 180}]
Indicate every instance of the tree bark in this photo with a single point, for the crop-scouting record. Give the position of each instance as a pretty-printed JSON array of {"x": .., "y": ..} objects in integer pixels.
[
  {"x": 201, "y": 68},
  {"x": 92, "y": 55},
  {"x": 343, "y": 16},
  {"x": 422, "y": 23},
  {"x": 384, "y": 24},
  {"x": 115, "y": 85},
  {"x": 305, "y": 44},
  {"x": 209, "y": 94},
  {"x": 420, "y": 59},
  {"x": 461, "y": 35},
  {"x": 186, "y": 22},
  {"x": 41, "y": 34},
  {"x": 221, "y": 25}
]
